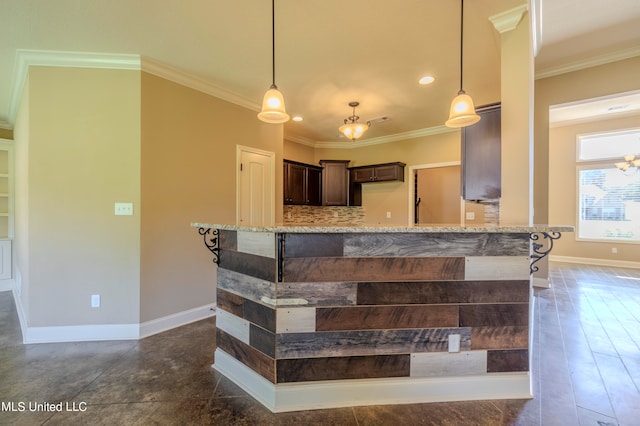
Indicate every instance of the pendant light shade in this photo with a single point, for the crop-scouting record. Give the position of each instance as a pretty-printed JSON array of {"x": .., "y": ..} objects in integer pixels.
[
  {"x": 462, "y": 112},
  {"x": 351, "y": 128},
  {"x": 273, "y": 109}
]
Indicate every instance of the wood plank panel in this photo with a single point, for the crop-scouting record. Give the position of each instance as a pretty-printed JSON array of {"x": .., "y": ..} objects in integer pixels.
[
  {"x": 494, "y": 315},
  {"x": 507, "y": 360},
  {"x": 229, "y": 302},
  {"x": 295, "y": 320},
  {"x": 249, "y": 287},
  {"x": 259, "y": 314},
  {"x": 338, "y": 368},
  {"x": 227, "y": 240},
  {"x": 386, "y": 317},
  {"x": 313, "y": 245},
  {"x": 314, "y": 269},
  {"x": 378, "y": 342},
  {"x": 233, "y": 325},
  {"x": 249, "y": 264},
  {"x": 436, "y": 244},
  {"x": 439, "y": 364},
  {"x": 404, "y": 293},
  {"x": 262, "y": 340},
  {"x": 258, "y": 243},
  {"x": 497, "y": 267},
  {"x": 251, "y": 357},
  {"x": 320, "y": 293},
  {"x": 500, "y": 337}
]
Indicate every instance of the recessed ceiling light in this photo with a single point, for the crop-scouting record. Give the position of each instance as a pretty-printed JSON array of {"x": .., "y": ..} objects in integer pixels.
[
  {"x": 427, "y": 79},
  {"x": 297, "y": 118}
]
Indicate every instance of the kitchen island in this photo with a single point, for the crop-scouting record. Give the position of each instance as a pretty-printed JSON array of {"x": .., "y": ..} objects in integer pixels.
[{"x": 319, "y": 316}]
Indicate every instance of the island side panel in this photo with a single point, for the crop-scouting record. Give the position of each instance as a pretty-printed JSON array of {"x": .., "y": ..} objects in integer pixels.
[{"x": 402, "y": 296}]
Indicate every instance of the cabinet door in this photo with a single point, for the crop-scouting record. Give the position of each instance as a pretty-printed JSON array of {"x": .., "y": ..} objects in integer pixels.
[
  {"x": 389, "y": 172},
  {"x": 314, "y": 186},
  {"x": 335, "y": 183},
  {"x": 365, "y": 174},
  {"x": 481, "y": 157},
  {"x": 295, "y": 180}
]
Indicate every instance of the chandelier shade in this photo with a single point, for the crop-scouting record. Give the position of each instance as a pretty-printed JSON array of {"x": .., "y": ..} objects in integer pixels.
[
  {"x": 351, "y": 128},
  {"x": 273, "y": 109},
  {"x": 462, "y": 112}
]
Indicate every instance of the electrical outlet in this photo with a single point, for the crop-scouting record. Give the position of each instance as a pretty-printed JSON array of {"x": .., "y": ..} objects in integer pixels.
[
  {"x": 123, "y": 209},
  {"x": 95, "y": 300},
  {"x": 454, "y": 343},
  {"x": 471, "y": 215},
  {"x": 388, "y": 215},
  {"x": 614, "y": 250}
]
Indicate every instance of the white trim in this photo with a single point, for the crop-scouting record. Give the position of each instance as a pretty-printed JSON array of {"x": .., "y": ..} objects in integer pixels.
[
  {"x": 179, "y": 319},
  {"x": 508, "y": 20},
  {"x": 81, "y": 333},
  {"x": 349, "y": 393},
  {"x": 588, "y": 63},
  {"x": 7, "y": 285},
  {"x": 592, "y": 261},
  {"x": 540, "y": 283}
]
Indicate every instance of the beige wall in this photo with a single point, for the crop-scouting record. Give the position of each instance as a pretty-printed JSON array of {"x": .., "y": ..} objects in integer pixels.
[
  {"x": 563, "y": 190},
  {"x": 603, "y": 80},
  {"x": 188, "y": 175},
  {"x": 298, "y": 152},
  {"x": 83, "y": 142}
]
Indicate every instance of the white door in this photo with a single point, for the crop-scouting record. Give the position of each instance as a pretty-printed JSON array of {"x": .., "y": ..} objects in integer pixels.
[{"x": 256, "y": 187}]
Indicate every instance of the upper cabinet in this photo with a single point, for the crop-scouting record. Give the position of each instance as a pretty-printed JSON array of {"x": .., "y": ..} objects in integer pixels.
[
  {"x": 481, "y": 156},
  {"x": 302, "y": 183},
  {"x": 6, "y": 196},
  {"x": 378, "y": 173},
  {"x": 335, "y": 182}
]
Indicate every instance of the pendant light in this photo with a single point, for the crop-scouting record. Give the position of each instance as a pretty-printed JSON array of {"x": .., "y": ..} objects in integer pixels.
[
  {"x": 351, "y": 128},
  {"x": 462, "y": 112},
  {"x": 273, "y": 110}
]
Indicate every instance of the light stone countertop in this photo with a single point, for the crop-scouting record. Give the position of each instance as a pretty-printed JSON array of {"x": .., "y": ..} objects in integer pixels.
[{"x": 339, "y": 229}]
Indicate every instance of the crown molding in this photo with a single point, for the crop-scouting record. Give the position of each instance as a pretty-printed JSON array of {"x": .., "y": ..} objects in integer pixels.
[
  {"x": 48, "y": 58},
  {"x": 430, "y": 131},
  {"x": 590, "y": 62},
  {"x": 178, "y": 76},
  {"x": 509, "y": 19}
]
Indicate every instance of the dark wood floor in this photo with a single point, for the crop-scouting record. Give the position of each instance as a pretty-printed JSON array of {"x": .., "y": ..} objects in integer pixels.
[{"x": 586, "y": 371}]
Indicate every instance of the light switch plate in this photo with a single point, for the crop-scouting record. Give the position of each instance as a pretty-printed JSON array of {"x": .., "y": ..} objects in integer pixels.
[
  {"x": 95, "y": 300},
  {"x": 454, "y": 343},
  {"x": 124, "y": 209}
]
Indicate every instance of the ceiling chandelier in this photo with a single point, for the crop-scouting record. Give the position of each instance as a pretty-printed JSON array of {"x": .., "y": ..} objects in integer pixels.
[
  {"x": 462, "y": 112},
  {"x": 273, "y": 110},
  {"x": 631, "y": 163},
  {"x": 351, "y": 128}
]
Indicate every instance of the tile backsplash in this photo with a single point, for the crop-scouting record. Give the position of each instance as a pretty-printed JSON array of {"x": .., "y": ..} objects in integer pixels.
[{"x": 323, "y": 215}]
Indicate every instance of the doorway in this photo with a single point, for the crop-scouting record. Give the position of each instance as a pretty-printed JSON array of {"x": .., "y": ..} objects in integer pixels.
[
  {"x": 435, "y": 194},
  {"x": 255, "y": 197}
]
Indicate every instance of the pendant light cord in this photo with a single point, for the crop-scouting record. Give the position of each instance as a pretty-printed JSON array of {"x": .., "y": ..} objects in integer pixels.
[
  {"x": 273, "y": 45},
  {"x": 461, "y": 38}
]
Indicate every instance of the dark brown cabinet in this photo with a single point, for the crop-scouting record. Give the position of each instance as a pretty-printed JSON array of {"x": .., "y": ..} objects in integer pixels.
[
  {"x": 481, "y": 156},
  {"x": 302, "y": 183},
  {"x": 378, "y": 173},
  {"x": 335, "y": 182}
]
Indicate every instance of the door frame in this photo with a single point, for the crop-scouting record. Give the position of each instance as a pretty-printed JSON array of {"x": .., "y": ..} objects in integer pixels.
[
  {"x": 271, "y": 156},
  {"x": 412, "y": 184}
]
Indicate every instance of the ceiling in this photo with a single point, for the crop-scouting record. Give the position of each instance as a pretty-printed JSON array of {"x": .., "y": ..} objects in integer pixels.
[{"x": 328, "y": 52}]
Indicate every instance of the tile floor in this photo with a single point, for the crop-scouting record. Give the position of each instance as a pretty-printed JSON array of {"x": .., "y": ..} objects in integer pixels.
[{"x": 586, "y": 371}]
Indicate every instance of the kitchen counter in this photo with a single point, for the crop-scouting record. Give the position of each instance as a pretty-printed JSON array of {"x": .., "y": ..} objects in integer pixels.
[{"x": 324, "y": 316}]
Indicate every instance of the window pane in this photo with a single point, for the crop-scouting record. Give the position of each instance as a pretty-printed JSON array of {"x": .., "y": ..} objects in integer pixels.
[
  {"x": 609, "y": 145},
  {"x": 609, "y": 205}
]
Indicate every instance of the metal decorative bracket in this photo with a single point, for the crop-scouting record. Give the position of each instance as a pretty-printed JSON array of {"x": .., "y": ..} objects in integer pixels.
[
  {"x": 212, "y": 242},
  {"x": 539, "y": 254}
]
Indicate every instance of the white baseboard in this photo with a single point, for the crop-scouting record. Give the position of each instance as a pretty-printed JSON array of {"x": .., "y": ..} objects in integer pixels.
[
  {"x": 159, "y": 325},
  {"x": 7, "y": 285},
  {"x": 599, "y": 262},
  {"x": 349, "y": 393}
]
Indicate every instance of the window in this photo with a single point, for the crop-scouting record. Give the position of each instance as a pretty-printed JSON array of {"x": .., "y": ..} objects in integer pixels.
[{"x": 609, "y": 199}]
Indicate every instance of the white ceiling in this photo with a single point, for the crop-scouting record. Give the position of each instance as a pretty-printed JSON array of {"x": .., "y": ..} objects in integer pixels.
[{"x": 328, "y": 52}]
